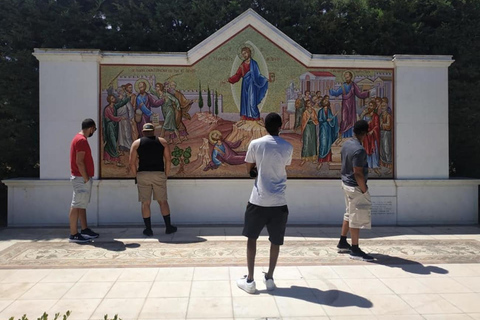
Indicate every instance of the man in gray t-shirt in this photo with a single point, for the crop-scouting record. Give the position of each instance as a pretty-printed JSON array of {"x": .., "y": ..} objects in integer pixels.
[{"x": 357, "y": 198}]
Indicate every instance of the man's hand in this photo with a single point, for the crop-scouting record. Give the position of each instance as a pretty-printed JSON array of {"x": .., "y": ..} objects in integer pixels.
[{"x": 253, "y": 172}]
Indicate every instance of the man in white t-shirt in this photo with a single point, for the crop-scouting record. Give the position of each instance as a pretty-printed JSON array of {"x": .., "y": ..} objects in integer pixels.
[{"x": 266, "y": 160}]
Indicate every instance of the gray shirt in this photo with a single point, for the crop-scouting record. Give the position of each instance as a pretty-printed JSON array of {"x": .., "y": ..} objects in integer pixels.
[{"x": 353, "y": 155}]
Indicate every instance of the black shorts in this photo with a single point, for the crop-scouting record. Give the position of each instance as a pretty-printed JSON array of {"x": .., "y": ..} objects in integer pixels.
[{"x": 275, "y": 218}]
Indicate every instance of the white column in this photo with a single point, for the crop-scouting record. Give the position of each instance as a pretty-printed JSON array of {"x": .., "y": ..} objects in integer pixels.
[
  {"x": 421, "y": 116},
  {"x": 69, "y": 93}
]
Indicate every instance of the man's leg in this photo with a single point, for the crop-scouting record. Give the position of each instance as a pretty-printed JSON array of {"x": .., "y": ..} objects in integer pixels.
[
  {"x": 146, "y": 212},
  {"x": 276, "y": 227},
  {"x": 251, "y": 253},
  {"x": 146, "y": 215},
  {"x": 165, "y": 211},
  {"x": 343, "y": 246},
  {"x": 345, "y": 228},
  {"x": 355, "y": 233},
  {"x": 82, "y": 215},
  {"x": 274, "y": 252},
  {"x": 73, "y": 216},
  {"x": 254, "y": 222},
  {"x": 164, "y": 207}
]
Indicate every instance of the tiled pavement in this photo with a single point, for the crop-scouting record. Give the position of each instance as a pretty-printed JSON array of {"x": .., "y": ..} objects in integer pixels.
[{"x": 349, "y": 290}]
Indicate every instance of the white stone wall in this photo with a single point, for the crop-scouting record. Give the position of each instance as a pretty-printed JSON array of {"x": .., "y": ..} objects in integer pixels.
[
  {"x": 69, "y": 91},
  {"x": 115, "y": 202},
  {"x": 420, "y": 194},
  {"x": 421, "y": 117}
]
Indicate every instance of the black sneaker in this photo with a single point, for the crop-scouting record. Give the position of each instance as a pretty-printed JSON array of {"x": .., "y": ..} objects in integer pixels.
[
  {"x": 89, "y": 234},
  {"x": 344, "y": 247},
  {"x": 78, "y": 238},
  {"x": 360, "y": 255},
  {"x": 148, "y": 232},
  {"x": 171, "y": 229}
]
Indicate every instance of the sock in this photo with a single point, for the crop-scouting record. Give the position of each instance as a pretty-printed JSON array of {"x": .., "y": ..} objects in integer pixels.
[
  {"x": 249, "y": 281},
  {"x": 148, "y": 223},
  {"x": 166, "y": 218},
  {"x": 355, "y": 247},
  {"x": 343, "y": 239}
]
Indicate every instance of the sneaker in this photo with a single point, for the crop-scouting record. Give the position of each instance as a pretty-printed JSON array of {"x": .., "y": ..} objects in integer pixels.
[
  {"x": 344, "y": 247},
  {"x": 148, "y": 232},
  {"x": 89, "y": 234},
  {"x": 269, "y": 283},
  {"x": 360, "y": 255},
  {"x": 78, "y": 238},
  {"x": 248, "y": 287},
  {"x": 171, "y": 229}
]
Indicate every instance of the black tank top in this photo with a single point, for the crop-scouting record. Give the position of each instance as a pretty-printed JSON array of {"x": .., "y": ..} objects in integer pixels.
[{"x": 150, "y": 154}]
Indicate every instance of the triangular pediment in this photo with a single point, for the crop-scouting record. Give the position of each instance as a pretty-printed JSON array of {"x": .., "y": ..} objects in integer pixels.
[{"x": 249, "y": 19}]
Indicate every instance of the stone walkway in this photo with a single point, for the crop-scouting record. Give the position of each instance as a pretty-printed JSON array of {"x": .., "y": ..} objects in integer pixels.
[{"x": 419, "y": 273}]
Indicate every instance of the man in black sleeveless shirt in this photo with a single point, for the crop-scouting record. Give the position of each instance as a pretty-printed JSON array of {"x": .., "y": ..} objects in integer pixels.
[{"x": 150, "y": 164}]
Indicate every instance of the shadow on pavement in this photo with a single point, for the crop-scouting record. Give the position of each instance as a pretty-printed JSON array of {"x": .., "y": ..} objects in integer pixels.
[
  {"x": 334, "y": 298},
  {"x": 405, "y": 264},
  {"x": 110, "y": 245}
]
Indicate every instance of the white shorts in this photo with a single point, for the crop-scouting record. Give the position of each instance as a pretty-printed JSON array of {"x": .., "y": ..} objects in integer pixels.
[
  {"x": 358, "y": 207},
  {"x": 81, "y": 192}
]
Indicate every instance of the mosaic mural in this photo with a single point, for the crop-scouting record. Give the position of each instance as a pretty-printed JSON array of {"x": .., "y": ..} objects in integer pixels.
[{"x": 210, "y": 111}]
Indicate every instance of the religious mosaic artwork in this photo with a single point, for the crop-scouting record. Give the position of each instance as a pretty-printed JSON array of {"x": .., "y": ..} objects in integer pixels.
[{"x": 210, "y": 111}]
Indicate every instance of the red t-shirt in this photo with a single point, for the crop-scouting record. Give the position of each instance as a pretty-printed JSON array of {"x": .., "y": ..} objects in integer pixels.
[{"x": 80, "y": 143}]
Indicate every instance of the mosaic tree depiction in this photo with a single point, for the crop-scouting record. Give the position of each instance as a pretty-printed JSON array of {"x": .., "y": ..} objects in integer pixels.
[{"x": 181, "y": 157}]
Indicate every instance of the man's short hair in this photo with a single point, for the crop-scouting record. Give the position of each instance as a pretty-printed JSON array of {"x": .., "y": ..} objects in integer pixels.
[
  {"x": 88, "y": 123},
  {"x": 360, "y": 127},
  {"x": 273, "y": 122}
]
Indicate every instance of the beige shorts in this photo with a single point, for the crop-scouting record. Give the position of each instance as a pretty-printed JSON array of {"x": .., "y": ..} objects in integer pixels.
[
  {"x": 151, "y": 181},
  {"x": 359, "y": 207},
  {"x": 82, "y": 192}
]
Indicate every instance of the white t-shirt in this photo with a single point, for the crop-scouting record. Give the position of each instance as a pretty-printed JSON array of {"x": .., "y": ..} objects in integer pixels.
[{"x": 271, "y": 154}]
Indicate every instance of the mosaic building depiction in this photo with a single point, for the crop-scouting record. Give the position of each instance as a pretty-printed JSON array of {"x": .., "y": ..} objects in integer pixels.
[{"x": 211, "y": 110}]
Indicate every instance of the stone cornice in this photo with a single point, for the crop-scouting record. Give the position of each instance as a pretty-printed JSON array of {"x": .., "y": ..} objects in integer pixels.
[
  {"x": 78, "y": 55},
  {"x": 406, "y": 60}
]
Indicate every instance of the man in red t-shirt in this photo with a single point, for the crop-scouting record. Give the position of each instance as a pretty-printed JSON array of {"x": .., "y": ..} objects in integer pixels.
[{"x": 82, "y": 170}]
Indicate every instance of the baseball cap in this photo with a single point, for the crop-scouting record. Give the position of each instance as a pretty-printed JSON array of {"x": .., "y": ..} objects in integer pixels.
[{"x": 148, "y": 127}]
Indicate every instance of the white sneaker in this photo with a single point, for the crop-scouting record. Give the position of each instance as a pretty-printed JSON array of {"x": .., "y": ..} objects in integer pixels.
[
  {"x": 248, "y": 287},
  {"x": 269, "y": 283}
]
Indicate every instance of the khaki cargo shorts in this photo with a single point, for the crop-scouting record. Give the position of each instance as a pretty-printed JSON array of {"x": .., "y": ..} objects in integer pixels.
[
  {"x": 82, "y": 192},
  {"x": 149, "y": 182},
  {"x": 359, "y": 207}
]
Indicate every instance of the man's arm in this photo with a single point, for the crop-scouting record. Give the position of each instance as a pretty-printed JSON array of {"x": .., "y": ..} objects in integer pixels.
[
  {"x": 360, "y": 178},
  {"x": 80, "y": 160},
  {"x": 360, "y": 94},
  {"x": 134, "y": 157},
  {"x": 167, "y": 157}
]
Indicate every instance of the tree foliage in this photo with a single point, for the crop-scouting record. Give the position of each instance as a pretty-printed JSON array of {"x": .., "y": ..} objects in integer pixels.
[{"x": 366, "y": 27}]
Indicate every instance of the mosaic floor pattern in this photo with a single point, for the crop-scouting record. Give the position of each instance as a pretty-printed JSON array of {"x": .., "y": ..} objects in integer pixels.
[{"x": 229, "y": 253}]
